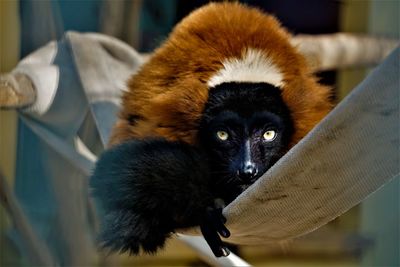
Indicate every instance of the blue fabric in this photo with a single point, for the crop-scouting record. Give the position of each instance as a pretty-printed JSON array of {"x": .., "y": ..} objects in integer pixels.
[
  {"x": 51, "y": 176},
  {"x": 38, "y": 164}
]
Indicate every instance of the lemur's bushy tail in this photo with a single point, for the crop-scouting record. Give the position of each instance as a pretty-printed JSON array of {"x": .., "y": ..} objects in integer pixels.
[{"x": 147, "y": 189}]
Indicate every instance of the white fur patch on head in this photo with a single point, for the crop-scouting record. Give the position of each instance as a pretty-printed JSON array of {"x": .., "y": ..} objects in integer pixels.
[{"x": 254, "y": 67}]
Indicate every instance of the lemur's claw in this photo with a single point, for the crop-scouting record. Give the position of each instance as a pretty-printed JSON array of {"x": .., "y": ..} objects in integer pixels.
[{"x": 213, "y": 225}]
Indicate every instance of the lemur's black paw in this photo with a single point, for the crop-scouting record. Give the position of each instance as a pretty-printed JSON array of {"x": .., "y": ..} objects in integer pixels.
[{"x": 214, "y": 224}]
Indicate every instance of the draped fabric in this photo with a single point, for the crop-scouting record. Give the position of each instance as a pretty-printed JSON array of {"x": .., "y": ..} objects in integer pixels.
[{"x": 78, "y": 81}]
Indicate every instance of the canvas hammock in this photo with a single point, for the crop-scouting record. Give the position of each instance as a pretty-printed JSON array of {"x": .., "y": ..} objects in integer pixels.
[{"x": 68, "y": 93}]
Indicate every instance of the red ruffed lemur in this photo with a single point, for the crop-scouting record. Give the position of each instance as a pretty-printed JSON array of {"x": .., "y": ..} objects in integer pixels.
[{"x": 216, "y": 105}]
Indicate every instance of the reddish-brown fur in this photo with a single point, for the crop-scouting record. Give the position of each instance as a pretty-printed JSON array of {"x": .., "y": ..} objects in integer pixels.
[{"x": 168, "y": 94}]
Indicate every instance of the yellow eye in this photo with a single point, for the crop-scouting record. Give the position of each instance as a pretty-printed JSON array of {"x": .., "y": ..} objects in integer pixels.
[
  {"x": 269, "y": 135},
  {"x": 222, "y": 135}
]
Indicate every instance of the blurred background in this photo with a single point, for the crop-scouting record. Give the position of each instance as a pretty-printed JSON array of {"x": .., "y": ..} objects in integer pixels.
[{"x": 367, "y": 235}]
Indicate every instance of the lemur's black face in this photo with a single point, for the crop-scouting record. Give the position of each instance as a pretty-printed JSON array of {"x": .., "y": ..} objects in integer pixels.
[{"x": 245, "y": 129}]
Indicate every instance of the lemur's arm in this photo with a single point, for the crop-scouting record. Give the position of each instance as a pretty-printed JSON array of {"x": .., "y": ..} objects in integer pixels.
[{"x": 150, "y": 188}]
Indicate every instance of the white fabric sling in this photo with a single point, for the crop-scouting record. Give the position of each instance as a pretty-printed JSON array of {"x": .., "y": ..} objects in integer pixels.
[{"x": 349, "y": 155}]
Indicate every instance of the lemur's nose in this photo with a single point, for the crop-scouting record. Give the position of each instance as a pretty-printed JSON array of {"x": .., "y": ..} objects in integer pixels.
[{"x": 248, "y": 172}]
